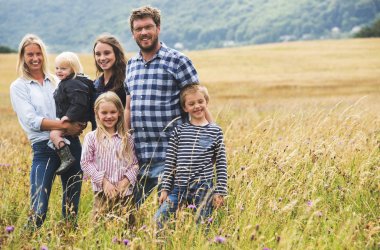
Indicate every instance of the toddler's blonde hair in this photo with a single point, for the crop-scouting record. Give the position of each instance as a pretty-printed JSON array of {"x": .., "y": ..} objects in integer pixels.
[{"x": 71, "y": 60}]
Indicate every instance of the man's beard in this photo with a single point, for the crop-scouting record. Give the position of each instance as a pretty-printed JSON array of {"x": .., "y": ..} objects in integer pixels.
[{"x": 150, "y": 48}]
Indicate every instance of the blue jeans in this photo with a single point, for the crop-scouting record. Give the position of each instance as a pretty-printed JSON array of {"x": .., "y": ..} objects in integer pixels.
[
  {"x": 199, "y": 195},
  {"x": 147, "y": 180},
  {"x": 45, "y": 163}
]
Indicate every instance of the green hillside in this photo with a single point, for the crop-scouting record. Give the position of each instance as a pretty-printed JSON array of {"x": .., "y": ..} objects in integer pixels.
[{"x": 196, "y": 24}]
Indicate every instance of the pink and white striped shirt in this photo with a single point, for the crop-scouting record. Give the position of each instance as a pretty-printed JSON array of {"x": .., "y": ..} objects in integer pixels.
[{"x": 99, "y": 160}]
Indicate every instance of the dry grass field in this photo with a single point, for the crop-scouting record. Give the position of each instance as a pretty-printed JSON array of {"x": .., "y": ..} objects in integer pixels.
[{"x": 302, "y": 130}]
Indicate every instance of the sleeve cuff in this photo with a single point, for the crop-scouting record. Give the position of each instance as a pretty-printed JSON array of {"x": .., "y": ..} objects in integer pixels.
[
  {"x": 37, "y": 123},
  {"x": 98, "y": 178},
  {"x": 221, "y": 191},
  {"x": 132, "y": 174}
]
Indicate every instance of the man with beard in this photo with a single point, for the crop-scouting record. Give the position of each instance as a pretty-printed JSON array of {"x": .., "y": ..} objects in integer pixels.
[{"x": 154, "y": 79}]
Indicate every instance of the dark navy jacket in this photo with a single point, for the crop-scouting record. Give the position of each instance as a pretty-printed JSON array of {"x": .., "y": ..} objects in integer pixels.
[{"x": 74, "y": 99}]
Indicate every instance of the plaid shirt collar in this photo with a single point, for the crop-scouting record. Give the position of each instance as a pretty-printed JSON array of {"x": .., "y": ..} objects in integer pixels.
[{"x": 160, "y": 53}]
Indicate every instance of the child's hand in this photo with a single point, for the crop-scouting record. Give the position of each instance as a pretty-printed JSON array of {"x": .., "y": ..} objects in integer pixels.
[
  {"x": 163, "y": 197},
  {"x": 123, "y": 186},
  {"x": 65, "y": 118},
  {"x": 109, "y": 189},
  {"x": 217, "y": 201}
]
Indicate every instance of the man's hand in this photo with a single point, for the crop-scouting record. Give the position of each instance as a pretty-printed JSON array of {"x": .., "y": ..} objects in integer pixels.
[
  {"x": 163, "y": 197},
  {"x": 109, "y": 189},
  {"x": 217, "y": 201}
]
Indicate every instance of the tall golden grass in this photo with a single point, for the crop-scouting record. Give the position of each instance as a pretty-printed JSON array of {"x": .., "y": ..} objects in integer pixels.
[{"x": 302, "y": 130}]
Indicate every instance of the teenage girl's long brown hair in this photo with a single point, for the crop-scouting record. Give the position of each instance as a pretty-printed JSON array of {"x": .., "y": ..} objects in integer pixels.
[{"x": 119, "y": 67}]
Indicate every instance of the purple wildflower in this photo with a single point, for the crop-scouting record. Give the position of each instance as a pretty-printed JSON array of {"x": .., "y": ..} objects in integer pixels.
[
  {"x": 210, "y": 220},
  {"x": 266, "y": 248},
  {"x": 191, "y": 206},
  {"x": 10, "y": 229},
  {"x": 44, "y": 248},
  {"x": 310, "y": 203},
  {"x": 115, "y": 240},
  {"x": 126, "y": 242},
  {"x": 220, "y": 239}
]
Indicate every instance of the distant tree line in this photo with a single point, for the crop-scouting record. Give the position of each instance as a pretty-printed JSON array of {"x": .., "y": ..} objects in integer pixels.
[
  {"x": 6, "y": 50},
  {"x": 370, "y": 31},
  {"x": 196, "y": 24}
]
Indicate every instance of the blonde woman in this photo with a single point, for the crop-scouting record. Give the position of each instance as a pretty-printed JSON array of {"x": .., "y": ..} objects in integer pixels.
[
  {"x": 32, "y": 99},
  {"x": 109, "y": 159}
]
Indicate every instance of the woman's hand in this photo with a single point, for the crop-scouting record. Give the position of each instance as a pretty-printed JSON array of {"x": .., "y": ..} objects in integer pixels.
[
  {"x": 109, "y": 189},
  {"x": 163, "y": 197},
  {"x": 73, "y": 128}
]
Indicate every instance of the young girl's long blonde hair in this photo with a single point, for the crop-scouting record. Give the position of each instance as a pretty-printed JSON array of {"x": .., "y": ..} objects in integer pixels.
[{"x": 125, "y": 151}]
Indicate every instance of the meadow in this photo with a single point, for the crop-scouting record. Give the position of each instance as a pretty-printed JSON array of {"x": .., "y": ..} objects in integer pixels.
[{"x": 302, "y": 131}]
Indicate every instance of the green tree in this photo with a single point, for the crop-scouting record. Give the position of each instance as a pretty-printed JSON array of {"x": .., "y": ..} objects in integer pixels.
[
  {"x": 6, "y": 50},
  {"x": 370, "y": 31}
]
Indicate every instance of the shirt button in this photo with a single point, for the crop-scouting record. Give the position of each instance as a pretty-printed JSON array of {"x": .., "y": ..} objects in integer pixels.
[
  {"x": 141, "y": 97},
  {"x": 145, "y": 65}
]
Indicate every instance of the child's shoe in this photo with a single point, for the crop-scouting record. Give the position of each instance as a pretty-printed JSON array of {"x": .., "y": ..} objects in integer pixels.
[{"x": 67, "y": 159}]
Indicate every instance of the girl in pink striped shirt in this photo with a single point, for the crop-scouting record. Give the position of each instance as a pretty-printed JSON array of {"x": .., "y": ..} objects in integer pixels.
[{"x": 109, "y": 159}]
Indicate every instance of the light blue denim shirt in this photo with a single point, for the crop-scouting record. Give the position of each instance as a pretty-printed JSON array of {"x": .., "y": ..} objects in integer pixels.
[{"x": 33, "y": 102}]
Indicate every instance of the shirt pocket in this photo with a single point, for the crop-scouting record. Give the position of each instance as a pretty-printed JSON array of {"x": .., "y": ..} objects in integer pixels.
[{"x": 205, "y": 141}]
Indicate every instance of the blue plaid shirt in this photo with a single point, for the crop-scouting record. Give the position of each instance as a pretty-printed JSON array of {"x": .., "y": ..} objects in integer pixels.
[{"x": 154, "y": 88}]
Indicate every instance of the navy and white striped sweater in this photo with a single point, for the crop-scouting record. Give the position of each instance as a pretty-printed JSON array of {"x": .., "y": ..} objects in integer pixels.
[{"x": 192, "y": 153}]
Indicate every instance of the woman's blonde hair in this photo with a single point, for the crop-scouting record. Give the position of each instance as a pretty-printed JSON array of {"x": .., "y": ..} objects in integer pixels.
[
  {"x": 71, "y": 60},
  {"x": 109, "y": 96},
  {"x": 22, "y": 68}
]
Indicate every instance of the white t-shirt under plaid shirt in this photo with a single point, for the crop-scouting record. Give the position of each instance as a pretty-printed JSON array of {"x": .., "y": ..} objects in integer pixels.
[
  {"x": 100, "y": 160},
  {"x": 154, "y": 88},
  {"x": 191, "y": 156}
]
